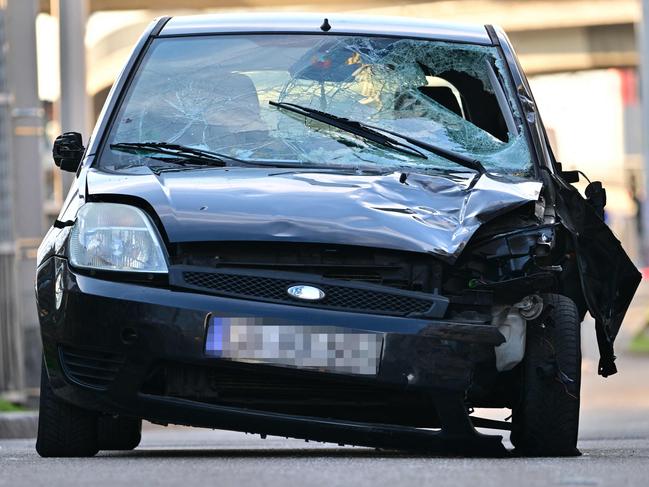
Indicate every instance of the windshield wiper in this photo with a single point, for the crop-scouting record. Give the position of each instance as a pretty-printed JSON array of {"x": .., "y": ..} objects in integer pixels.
[
  {"x": 377, "y": 134},
  {"x": 351, "y": 126},
  {"x": 182, "y": 154}
]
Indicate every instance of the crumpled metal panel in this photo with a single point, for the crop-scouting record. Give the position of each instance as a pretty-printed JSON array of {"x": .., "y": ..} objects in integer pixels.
[{"x": 436, "y": 214}]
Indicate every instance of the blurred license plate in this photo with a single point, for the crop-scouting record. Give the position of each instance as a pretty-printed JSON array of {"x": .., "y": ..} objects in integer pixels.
[{"x": 324, "y": 348}]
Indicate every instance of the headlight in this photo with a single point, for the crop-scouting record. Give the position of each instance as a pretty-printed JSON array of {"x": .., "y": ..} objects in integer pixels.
[{"x": 110, "y": 236}]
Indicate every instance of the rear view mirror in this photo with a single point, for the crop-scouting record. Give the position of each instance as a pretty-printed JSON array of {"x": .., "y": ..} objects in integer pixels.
[{"x": 68, "y": 151}]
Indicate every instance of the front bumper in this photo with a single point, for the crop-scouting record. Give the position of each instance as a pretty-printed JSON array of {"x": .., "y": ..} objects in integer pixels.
[{"x": 147, "y": 325}]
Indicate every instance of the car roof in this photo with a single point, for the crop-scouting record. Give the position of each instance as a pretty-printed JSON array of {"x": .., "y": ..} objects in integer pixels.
[{"x": 310, "y": 23}]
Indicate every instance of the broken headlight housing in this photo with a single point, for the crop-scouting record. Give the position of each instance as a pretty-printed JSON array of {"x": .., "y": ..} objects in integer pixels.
[{"x": 115, "y": 237}]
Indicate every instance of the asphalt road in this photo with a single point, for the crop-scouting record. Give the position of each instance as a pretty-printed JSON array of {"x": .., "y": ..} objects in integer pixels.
[
  {"x": 614, "y": 440},
  {"x": 611, "y": 456}
]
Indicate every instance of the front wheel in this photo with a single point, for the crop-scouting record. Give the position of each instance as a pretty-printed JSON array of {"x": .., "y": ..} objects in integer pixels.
[
  {"x": 119, "y": 433},
  {"x": 64, "y": 430},
  {"x": 546, "y": 418}
]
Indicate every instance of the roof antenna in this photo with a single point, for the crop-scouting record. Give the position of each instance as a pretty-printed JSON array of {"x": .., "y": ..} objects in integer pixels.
[{"x": 326, "y": 27}]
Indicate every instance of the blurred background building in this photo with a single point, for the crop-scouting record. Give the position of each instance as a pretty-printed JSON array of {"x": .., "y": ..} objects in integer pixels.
[{"x": 59, "y": 59}]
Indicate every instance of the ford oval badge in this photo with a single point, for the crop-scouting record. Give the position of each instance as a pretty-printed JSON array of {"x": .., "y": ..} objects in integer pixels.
[{"x": 308, "y": 293}]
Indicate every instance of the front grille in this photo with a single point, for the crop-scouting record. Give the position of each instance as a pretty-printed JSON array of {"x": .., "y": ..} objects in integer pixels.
[
  {"x": 90, "y": 368},
  {"x": 410, "y": 271},
  {"x": 342, "y": 297}
]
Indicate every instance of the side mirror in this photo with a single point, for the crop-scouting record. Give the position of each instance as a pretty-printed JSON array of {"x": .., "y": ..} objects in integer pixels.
[
  {"x": 68, "y": 151},
  {"x": 567, "y": 176},
  {"x": 596, "y": 196}
]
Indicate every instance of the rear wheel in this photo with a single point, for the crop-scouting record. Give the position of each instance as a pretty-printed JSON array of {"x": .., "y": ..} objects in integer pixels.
[
  {"x": 119, "y": 433},
  {"x": 546, "y": 419},
  {"x": 64, "y": 430}
]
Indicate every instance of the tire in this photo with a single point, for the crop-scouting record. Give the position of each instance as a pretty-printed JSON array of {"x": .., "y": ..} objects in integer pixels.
[
  {"x": 64, "y": 430},
  {"x": 119, "y": 433},
  {"x": 546, "y": 419}
]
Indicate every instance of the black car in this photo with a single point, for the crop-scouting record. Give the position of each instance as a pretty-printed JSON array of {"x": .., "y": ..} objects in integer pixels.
[{"x": 348, "y": 230}]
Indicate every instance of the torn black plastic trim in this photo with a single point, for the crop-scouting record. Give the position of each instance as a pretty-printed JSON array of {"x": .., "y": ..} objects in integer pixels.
[{"x": 608, "y": 277}]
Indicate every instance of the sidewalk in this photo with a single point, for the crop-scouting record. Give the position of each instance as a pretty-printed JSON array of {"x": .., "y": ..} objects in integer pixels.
[
  {"x": 629, "y": 388},
  {"x": 637, "y": 315},
  {"x": 18, "y": 424}
]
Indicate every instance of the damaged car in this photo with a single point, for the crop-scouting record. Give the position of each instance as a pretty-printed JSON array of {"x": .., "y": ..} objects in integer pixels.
[{"x": 347, "y": 230}]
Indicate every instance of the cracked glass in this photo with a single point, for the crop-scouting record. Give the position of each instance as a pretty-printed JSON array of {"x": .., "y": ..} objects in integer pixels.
[{"x": 213, "y": 93}]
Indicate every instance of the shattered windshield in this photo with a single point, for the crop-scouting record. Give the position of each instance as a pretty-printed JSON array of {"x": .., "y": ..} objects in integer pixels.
[{"x": 213, "y": 93}]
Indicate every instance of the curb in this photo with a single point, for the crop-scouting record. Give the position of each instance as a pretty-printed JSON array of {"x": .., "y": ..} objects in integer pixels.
[{"x": 18, "y": 425}]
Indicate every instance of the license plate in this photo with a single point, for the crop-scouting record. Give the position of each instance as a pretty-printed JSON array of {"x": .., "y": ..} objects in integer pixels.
[{"x": 323, "y": 348}]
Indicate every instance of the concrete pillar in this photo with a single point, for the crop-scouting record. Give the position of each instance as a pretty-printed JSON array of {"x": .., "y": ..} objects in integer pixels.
[
  {"x": 74, "y": 104},
  {"x": 27, "y": 169},
  {"x": 74, "y": 108},
  {"x": 11, "y": 340}
]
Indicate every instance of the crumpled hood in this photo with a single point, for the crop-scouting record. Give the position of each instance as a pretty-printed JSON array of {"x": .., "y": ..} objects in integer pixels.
[{"x": 428, "y": 213}]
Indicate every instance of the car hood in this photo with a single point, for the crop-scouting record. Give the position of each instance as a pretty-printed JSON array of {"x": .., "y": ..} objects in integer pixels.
[{"x": 436, "y": 214}]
